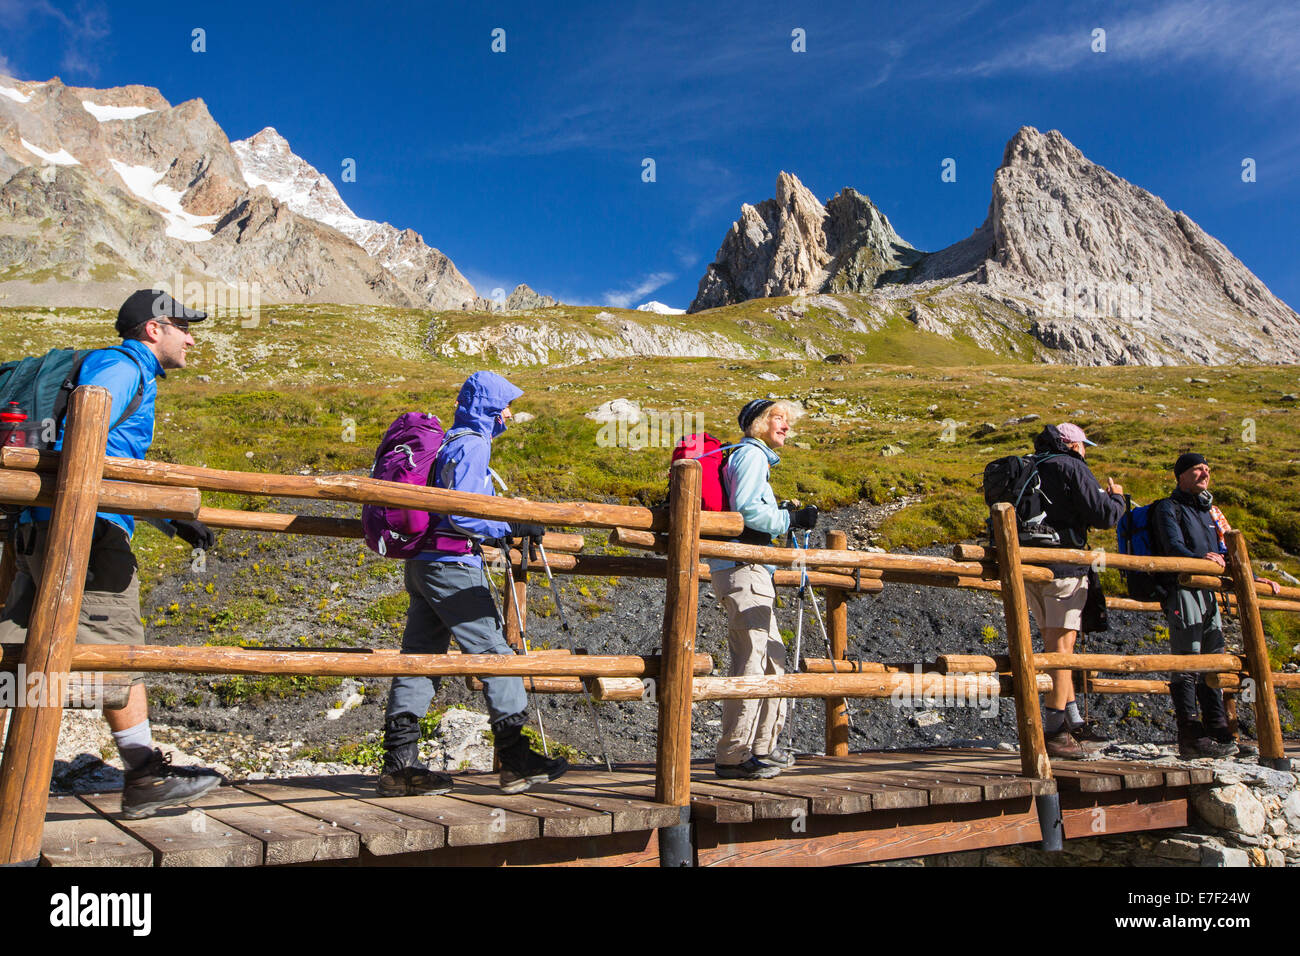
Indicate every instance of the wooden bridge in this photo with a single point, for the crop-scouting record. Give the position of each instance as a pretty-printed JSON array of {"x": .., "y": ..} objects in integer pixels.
[{"x": 838, "y": 808}]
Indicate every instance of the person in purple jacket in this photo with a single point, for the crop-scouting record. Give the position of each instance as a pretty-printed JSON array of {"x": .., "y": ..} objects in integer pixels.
[{"x": 450, "y": 598}]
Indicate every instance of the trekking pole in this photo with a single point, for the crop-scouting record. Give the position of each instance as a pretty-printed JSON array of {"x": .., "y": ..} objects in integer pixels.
[
  {"x": 514, "y": 596},
  {"x": 568, "y": 633}
]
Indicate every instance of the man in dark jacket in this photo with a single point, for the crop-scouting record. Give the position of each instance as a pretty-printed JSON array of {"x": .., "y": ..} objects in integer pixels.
[
  {"x": 1074, "y": 503},
  {"x": 1184, "y": 527}
]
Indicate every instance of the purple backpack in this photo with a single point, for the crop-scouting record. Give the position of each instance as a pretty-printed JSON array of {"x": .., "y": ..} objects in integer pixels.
[{"x": 406, "y": 454}]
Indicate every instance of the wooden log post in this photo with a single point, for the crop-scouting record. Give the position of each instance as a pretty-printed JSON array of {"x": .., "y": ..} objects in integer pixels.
[
  {"x": 837, "y": 628},
  {"x": 674, "y": 691},
  {"x": 1267, "y": 725},
  {"x": 52, "y": 634},
  {"x": 1029, "y": 721}
]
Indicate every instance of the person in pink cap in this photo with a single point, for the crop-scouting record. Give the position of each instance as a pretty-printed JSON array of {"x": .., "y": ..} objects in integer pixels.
[{"x": 1074, "y": 502}]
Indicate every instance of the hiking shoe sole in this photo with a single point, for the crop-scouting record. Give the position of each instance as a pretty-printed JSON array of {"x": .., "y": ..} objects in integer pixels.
[
  {"x": 142, "y": 810},
  {"x": 510, "y": 783},
  {"x": 746, "y": 771}
]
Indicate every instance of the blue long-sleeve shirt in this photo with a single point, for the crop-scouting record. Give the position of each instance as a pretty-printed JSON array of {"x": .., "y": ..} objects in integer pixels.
[
  {"x": 121, "y": 374},
  {"x": 745, "y": 479},
  {"x": 464, "y": 460}
]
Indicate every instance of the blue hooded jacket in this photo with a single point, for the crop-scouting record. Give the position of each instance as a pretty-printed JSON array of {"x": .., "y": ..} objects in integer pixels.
[{"x": 464, "y": 459}]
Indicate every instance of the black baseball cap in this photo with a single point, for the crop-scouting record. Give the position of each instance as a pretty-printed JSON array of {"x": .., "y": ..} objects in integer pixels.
[{"x": 148, "y": 304}]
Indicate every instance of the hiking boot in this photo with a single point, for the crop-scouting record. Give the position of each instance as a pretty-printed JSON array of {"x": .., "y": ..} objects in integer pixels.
[
  {"x": 521, "y": 767},
  {"x": 1064, "y": 746},
  {"x": 404, "y": 776},
  {"x": 158, "y": 784},
  {"x": 1192, "y": 747},
  {"x": 751, "y": 769},
  {"x": 1090, "y": 736},
  {"x": 777, "y": 758},
  {"x": 1223, "y": 735}
]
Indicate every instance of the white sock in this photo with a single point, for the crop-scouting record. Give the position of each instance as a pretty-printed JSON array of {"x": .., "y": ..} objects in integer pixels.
[{"x": 135, "y": 744}]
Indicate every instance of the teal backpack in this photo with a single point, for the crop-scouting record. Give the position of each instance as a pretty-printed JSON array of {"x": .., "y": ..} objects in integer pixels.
[{"x": 41, "y": 384}]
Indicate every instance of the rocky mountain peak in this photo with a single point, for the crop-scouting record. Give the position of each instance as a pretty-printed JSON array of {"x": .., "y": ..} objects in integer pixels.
[
  {"x": 792, "y": 243},
  {"x": 1099, "y": 270}
]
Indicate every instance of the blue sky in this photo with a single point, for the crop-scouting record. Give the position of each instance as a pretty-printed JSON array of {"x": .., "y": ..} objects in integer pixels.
[{"x": 526, "y": 165}]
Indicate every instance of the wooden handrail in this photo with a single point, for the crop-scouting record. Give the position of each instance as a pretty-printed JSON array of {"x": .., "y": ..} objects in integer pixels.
[{"x": 364, "y": 490}]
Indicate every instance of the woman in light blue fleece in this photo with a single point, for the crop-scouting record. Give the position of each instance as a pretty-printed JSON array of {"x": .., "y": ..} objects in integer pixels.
[{"x": 747, "y": 747}]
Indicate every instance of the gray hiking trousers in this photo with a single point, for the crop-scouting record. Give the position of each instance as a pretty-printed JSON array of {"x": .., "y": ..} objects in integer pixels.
[{"x": 450, "y": 599}]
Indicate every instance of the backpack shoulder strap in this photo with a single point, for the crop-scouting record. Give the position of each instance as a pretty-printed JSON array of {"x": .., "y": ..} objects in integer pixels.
[{"x": 134, "y": 404}]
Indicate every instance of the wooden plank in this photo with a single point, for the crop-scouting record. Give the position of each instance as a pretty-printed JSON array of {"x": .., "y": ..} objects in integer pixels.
[
  {"x": 467, "y": 824},
  {"x": 381, "y": 832},
  {"x": 706, "y": 803},
  {"x": 1142, "y": 776},
  {"x": 819, "y": 797},
  {"x": 557, "y": 818},
  {"x": 182, "y": 837},
  {"x": 287, "y": 835},
  {"x": 628, "y": 814},
  {"x": 76, "y": 834},
  {"x": 992, "y": 787},
  {"x": 1072, "y": 772},
  {"x": 883, "y": 796},
  {"x": 876, "y": 837},
  {"x": 936, "y": 789}
]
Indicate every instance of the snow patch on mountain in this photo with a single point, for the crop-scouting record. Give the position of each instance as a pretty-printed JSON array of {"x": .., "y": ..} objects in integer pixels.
[
  {"x": 266, "y": 160},
  {"x": 106, "y": 113},
  {"x": 658, "y": 308},
  {"x": 61, "y": 158},
  {"x": 144, "y": 183},
  {"x": 18, "y": 96}
]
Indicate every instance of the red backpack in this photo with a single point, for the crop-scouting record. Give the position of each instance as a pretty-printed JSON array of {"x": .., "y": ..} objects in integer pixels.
[{"x": 712, "y": 455}]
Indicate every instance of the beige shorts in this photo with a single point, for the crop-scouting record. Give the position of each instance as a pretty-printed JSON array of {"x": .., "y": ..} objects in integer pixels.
[
  {"x": 110, "y": 604},
  {"x": 1058, "y": 603}
]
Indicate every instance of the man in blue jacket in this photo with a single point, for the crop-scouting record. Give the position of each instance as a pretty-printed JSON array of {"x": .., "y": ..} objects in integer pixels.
[
  {"x": 450, "y": 598},
  {"x": 155, "y": 337},
  {"x": 748, "y": 746}
]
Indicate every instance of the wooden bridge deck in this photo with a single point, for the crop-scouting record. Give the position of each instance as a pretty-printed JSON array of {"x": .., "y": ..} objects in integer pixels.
[{"x": 826, "y": 810}]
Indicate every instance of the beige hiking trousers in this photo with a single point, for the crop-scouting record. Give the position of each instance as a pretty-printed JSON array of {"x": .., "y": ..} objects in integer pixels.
[{"x": 750, "y": 726}]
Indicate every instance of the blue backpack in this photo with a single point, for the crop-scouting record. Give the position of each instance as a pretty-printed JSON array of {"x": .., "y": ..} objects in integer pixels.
[
  {"x": 41, "y": 385},
  {"x": 1135, "y": 536}
]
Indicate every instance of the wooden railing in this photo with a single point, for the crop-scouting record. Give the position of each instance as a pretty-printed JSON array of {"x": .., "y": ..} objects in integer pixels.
[{"x": 82, "y": 480}]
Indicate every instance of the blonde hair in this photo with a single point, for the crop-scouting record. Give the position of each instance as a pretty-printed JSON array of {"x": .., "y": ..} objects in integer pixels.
[{"x": 759, "y": 426}]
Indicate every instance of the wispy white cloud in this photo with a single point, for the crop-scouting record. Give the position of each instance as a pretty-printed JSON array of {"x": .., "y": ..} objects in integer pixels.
[
  {"x": 624, "y": 299},
  {"x": 1253, "y": 37},
  {"x": 81, "y": 31}
]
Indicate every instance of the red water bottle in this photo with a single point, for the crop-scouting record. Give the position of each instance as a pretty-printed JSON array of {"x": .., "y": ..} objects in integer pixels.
[{"x": 13, "y": 425}]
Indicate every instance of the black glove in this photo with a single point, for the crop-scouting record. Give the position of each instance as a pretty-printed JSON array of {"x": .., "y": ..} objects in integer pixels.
[
  {"x": 520, "y": 529},
  {"x": 195, "y": 533},
  {"x": 805, "y": 518}
]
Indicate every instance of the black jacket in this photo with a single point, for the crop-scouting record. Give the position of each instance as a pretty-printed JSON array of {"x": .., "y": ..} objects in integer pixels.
[
  {"x": 1074, "y": 502},
  {"x": 1183, "y": 528}
]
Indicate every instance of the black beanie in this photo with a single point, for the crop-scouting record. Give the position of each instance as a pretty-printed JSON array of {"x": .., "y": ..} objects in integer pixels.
[
  {"x": 751, "y": 411},
  {"x": 1187, "y": 460}
]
